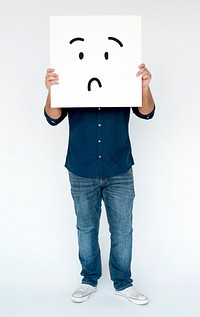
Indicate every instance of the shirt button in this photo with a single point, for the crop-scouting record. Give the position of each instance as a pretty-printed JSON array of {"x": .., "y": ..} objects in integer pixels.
[
  {"x": 99, "y": 108},
  {"x": 99, "y": 124},
  {"x": 99, "y": 141},
  {"x": 99, "y": 156}
]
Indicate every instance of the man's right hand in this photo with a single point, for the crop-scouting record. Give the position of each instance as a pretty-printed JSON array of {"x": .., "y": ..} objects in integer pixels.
[{"x": 51, "y": 78}]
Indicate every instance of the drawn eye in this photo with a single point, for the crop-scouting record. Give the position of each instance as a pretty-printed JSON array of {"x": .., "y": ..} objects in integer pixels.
[
  {"x": 81, "y": 55},
  {"x": 106, "y": 55}
]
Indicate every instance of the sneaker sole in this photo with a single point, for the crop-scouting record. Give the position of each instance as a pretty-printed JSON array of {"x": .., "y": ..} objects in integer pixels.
[
  {"x": 134, "y": 301},
  {"x": 82, "y": 299}
]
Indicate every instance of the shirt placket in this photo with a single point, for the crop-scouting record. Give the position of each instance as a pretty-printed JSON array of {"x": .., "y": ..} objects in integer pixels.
[{"x": 99, "y": 141}]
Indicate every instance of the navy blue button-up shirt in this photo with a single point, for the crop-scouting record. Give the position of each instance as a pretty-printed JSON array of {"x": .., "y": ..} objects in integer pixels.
[{"x": 99, "y": 144}]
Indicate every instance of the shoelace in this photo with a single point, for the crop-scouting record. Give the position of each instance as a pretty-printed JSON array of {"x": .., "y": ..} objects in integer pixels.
[
  {"x": 134, "y": 292},
  {"x": 83, "y": 289}
]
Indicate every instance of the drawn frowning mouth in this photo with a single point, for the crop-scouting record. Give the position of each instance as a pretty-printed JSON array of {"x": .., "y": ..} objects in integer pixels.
[{"x": 90, "y": 82}]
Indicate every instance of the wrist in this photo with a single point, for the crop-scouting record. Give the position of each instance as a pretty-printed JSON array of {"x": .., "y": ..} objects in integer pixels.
[{"x": 145, "y": 88}]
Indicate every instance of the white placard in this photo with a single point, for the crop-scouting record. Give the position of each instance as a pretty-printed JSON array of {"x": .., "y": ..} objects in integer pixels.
[{"x": 97, "y": 58}]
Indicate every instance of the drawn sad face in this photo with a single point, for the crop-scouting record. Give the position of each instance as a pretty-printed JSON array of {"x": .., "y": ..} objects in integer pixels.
[{"x": 106, "y": 56}]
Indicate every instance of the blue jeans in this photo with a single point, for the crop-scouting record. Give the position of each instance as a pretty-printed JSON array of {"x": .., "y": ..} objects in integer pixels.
[{"x": 118, "y": 194}]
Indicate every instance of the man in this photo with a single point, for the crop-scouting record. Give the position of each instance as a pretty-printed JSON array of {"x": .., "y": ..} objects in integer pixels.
[{"x": 99, "y": 161}]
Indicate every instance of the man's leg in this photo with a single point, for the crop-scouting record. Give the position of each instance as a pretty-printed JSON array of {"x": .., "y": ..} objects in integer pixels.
[
  {"x": 86, "y": 194},
  {"x": 118, "y": 195}
]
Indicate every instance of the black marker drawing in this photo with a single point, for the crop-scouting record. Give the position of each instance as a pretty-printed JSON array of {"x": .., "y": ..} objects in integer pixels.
[
  {"x": 106, "y": 55},
  {"x": 76, "y": 39},
  {"x": 91, "y": 80},
  {"x": 81, "y": 55},
  {"x": 116, "y": 40}
]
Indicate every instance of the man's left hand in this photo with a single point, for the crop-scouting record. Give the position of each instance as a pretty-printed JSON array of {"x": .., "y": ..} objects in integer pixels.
[{"x": 146, "y": 75}]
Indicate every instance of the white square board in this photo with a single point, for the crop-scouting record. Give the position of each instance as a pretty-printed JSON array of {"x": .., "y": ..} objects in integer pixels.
[{"x": 97, "y": 58}]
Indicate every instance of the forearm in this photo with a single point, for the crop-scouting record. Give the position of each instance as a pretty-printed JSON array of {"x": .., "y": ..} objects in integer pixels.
[
  {"x": 53, "y": 113},
  {"x": 147, "y": 101}
]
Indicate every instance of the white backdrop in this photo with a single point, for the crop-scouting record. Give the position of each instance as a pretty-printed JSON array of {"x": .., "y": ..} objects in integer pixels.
[{"x": 39, "y": 265}]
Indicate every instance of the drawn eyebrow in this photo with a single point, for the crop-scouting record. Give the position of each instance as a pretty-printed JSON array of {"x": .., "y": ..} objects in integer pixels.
[
  {"x": 116, "y": 40},
  {"x": 76, "y": 39}
]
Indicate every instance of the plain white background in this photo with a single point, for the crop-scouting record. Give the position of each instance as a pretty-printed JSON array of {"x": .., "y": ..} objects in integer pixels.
[{"x": 39, "y": 266}]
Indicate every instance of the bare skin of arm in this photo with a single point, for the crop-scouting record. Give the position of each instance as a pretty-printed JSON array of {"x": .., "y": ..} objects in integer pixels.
[{"x": 147, "y": 99}]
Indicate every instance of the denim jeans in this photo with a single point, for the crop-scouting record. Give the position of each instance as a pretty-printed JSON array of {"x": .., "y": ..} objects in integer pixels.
[{"x": 118, "y": 194}]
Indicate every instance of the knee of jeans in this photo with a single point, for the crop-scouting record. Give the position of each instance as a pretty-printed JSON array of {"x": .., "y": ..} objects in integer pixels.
[
  {"x": 84, "y": 228},
  {"x": 121, "y": 227}
]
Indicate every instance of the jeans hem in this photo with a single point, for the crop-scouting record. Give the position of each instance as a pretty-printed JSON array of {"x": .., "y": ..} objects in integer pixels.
[
  {"x": 88, "y": 283},
  {"x": 124, "y": 287}
]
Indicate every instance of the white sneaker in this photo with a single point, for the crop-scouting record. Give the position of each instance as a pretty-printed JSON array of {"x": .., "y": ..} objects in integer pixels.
[
  {"x": 132, "y": 294},
  {"x": 83, "y": 293}
]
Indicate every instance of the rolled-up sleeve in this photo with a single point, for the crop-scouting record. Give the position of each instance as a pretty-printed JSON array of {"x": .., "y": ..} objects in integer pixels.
[
  {"x": 58, "y": 120},
  {"x": 143, "y": 116}
]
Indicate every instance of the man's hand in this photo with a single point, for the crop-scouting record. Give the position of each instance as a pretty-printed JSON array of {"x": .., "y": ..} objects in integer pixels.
[
  {"x": 146, "y": 75},
  {"x": 147, "y": 99},
  {"x": 51, "y": 78}
]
